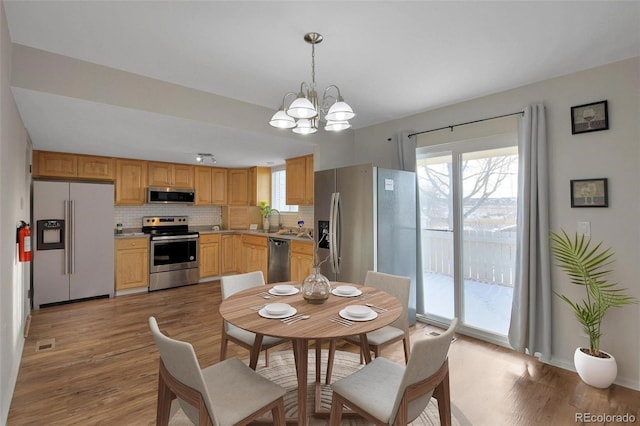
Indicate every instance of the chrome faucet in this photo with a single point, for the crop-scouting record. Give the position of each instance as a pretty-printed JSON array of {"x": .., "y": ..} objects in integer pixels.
[{"x": 279, "y": 218}]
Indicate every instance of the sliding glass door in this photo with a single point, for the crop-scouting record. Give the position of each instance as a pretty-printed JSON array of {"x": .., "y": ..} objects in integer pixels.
[{"x": 468, "y": 195}]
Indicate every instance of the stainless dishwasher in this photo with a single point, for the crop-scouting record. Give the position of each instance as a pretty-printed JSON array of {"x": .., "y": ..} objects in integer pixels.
[{"x": 278, "y": 260}]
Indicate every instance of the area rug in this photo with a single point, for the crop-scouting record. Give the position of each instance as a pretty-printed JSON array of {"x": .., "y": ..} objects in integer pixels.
[{"x": 281, "y": 370}]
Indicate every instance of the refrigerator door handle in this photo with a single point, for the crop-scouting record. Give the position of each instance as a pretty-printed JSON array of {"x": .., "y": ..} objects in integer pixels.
[
  {"x": 332, "y": 221},
  {"x": 66, "y": 237},
  {"x": 72, "y": 232},
  {"x": 334, "y": 238},
  {"x": 337, "y": 232}
]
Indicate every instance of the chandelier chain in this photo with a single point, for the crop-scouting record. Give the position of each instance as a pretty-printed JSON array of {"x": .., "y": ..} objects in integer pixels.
[{"x": 313, "y": 65}]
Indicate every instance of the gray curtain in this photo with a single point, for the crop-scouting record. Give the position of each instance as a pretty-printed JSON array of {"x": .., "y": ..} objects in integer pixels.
[
  {"x": 530, "y": 329},
  {"x": 407, "y": 161}
]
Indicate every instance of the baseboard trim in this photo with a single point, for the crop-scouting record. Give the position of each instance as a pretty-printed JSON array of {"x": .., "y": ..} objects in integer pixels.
[{"x": 27, "y": 325}]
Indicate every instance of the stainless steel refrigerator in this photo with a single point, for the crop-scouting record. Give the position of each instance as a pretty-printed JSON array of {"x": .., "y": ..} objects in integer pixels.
[
  {"x": 366, "y": 218},
  {"x": 73, "y": 255}
]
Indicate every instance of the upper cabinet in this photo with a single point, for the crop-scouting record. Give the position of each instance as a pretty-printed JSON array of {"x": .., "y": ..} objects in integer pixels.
[
  {"x": 210, "y": 186},
  {"x": 203, "y": 185},
  {"x": 259, "y": 185},
  {"x": 169, "y": 174},
  {"x": 219, "y": 186},
  {"x": 247, "y": 187},
  {"x": 92, "y": 167},
  {"x": 214, "y": 186},
  {"x": 131, "y": 182},
  {"x": 300, "y": 180},
  {"x": 238, "y": 187},
  {"x": 63, "y": 165}
]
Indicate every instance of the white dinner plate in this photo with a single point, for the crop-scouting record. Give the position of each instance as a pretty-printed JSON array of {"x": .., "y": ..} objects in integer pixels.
[
  {"x": 345, "y": 315},
  {"x": 282, "y": 288},
  {"x": 335, "y": 292},
  {"x": 359, "y": 311},
  {"x": 263, "y": 313},
  {"x": 275, "y": 293}
]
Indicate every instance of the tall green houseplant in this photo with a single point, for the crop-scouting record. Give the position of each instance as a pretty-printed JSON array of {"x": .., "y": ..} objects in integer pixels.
[{"x": 588, "y": 266}]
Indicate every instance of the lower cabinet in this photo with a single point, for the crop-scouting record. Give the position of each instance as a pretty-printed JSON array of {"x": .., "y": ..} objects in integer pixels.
[
  {"x": 230, "y": 254},
  {"x": 301, "y": 264},
  {"x": 132, "y": 263},
  {"x": 255, "y": 254},
  {"x": 209, "y": 255}
]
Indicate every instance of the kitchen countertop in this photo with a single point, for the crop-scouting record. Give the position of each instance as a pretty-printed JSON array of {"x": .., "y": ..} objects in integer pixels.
[{"x": 136, "y": 233}]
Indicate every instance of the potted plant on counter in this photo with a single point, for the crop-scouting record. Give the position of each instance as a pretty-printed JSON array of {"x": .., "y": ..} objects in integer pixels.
[
  {"x": 589, "y": 267},
  {"x": 265, "y": 209}
]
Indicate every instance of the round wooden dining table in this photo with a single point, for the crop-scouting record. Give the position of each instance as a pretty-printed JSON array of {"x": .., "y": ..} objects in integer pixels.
[{"x": 240, "y": 309}]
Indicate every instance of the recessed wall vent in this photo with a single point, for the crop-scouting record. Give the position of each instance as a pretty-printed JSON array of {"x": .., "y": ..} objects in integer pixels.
[{"x": 45, "y": 344}]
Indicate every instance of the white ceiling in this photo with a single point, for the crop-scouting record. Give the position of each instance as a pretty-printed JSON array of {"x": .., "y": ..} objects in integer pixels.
[{"x": 390, "y": 59}]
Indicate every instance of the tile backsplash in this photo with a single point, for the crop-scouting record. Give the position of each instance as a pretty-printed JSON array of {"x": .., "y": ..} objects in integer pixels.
[{"x": 131, "y": 216}]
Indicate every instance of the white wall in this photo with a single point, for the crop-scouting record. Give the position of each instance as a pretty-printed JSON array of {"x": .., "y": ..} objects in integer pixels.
[
  {"x": 333, "y": 150},
  {"x": 614, "y": 154},
  {"x": 15, "y": 155}
]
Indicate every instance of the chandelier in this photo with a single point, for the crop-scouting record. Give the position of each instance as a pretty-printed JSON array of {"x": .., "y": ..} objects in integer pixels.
[{"x": 303, "y": 113}]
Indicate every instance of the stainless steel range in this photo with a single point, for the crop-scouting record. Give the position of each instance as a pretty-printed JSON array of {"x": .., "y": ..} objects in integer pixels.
[{"x": 173, "y": 252}]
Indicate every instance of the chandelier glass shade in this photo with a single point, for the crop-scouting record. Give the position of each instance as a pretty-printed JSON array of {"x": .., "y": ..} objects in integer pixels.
[{"x": 304, "y": 112}]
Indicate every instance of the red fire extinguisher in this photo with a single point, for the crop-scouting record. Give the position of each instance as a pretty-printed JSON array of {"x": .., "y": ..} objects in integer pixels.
[{"x": 24, "y": 242}]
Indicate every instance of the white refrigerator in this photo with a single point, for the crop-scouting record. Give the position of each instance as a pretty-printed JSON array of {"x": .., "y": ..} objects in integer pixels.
[{"x": 73, "y": 256}]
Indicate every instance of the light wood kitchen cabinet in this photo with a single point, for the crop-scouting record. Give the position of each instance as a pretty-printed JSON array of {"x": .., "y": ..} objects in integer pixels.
[
  {"x": 93, "y": 167},
  {"x": 238, "y": 187},
  {"x": 55, "y": 164},
  {"x": 69, "y": 166},
  {"x": 170, "y": 174},
  {"x": 131, "y": 182},
  {"x": 301, "y": 261},
  {"x": 259, "y": 185},
  {"x": 230, "y": 253},
  {"x": 210, "y": 186},
  {"x": 255, "y": 254},
  {"x": 240, "y": 217},
  {"x": 247, "y": 187},
  {"x": 202, "y": 180},
  {"x": 209, "y": 255},
  {"x": 218, "y": 186},
  {"x": 300, "y": 180},
  {"x": 132, "y": 263}
]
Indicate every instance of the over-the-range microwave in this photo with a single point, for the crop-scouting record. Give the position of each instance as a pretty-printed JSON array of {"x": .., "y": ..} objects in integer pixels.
[{"x": 171, "y": 195}]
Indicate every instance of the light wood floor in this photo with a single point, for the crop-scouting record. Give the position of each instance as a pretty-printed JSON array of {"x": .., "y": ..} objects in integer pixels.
[{"x": 102, "y": 369}]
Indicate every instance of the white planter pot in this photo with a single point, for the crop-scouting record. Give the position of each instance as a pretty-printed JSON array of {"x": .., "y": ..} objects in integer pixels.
[
  {"x": 265, "y": 223},
  {"x": 594, "y": 371}
]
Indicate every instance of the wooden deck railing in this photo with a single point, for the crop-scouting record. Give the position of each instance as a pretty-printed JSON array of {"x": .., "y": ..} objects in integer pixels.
[{"x": 489, "y": 256}]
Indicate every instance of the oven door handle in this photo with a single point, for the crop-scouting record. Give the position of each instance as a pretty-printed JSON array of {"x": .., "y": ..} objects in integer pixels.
[{"x": 175, "y": 237}]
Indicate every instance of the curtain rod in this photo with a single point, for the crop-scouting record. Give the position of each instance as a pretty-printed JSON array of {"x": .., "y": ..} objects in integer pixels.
[{"x": 462, "y": 124}]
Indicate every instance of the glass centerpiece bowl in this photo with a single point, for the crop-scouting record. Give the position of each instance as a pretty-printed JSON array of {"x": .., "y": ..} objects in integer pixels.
[{"x": 316, "y": 288}]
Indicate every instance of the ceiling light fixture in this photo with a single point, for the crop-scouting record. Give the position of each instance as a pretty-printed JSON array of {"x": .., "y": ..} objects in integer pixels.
[
  {"x": 201, "y": 157},
  {"x": 302, "y": 116}
]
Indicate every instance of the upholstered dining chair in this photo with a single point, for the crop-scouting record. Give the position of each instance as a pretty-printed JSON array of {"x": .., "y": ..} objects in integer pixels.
[
  {"x": 230, "y": 285},
  {"x": 386, "y": 393},
  {"x": 400, "y": 288},
  {"x": 226, "y": 393}
]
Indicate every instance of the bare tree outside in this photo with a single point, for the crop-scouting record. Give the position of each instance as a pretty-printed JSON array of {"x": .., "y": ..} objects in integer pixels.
[{"x": 483, "y": 187}]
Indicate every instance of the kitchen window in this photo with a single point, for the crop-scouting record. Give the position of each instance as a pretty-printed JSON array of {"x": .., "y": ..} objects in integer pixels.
[{"x": 279, "y": 191}]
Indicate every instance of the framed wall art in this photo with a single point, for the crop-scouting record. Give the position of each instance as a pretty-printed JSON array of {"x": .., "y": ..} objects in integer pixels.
[
  {"x": 589, "y": 193},
  {"x": 589, "y": 117}
]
